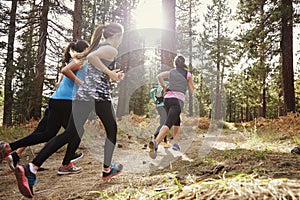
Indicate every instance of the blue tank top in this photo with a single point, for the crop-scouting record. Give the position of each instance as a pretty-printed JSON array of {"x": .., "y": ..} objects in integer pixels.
[{"x": 67, "y": 89}]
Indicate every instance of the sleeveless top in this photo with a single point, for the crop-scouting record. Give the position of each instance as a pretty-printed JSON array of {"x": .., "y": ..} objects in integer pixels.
[
  {"x": 67, "y": 89},
  {"x": 178, "y": 80},
  {"x": 178, "y": 83},
  {"x": 96, "y": 84}
]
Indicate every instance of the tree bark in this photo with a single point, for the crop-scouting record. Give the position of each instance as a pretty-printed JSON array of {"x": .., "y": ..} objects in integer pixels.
[
  {"x": 8, "y": 93},
  {"x": 287, "y": 55},
  {"x": 168, "y": 44},
  {"x": 77, "y": 20},
  {"x": 191, "y": 102},
  {"x": 40, "y": 67}
]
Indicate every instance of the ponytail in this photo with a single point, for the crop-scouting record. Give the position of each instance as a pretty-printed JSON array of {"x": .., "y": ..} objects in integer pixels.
[
  {"x": 179, "y": 62},
  {"x": 104, "y": 31},
  {"x": 95, "y": 40},
  {"x": 67, "y": 56}
]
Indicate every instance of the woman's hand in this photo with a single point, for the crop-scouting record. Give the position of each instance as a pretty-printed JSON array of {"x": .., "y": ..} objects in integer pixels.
[
  {"x": 116, "y": 74},
  {"x": 165, "y": 89}
]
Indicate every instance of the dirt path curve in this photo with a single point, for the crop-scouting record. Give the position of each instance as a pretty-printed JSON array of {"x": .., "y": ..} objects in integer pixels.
[{"x": 141, "y": 172}]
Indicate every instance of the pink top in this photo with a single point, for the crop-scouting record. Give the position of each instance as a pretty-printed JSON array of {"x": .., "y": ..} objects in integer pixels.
[{"x": 178, "y": 95}]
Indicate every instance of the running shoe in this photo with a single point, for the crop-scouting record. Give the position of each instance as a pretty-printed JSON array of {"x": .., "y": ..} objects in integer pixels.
[
  {"x": 176, "y": 147},
  {"x": 153, "y": 149},
  {"x": 76, "y": 157},
  {"x": 26, "y": 179},
  {"x": 114, "y": 170},
  {"x": 3, "y": 153},
  {"x": 295, "y": 150},
  {"x": 12, "y": 160},
  {"x": 167, "y": 144},
  {"x": 68, "y": 169}
]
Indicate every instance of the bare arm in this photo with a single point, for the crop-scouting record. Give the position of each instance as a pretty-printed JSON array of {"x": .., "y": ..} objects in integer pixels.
[
  {"x": 68, "y": 71},
  {"x": 191, "y": 85},
  {"x": 161, "y": 76},
  {"x": 107, "y": 53}
]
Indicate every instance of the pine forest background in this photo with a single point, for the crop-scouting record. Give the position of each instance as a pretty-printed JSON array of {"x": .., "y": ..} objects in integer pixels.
[{"x": 241, "y": 71}]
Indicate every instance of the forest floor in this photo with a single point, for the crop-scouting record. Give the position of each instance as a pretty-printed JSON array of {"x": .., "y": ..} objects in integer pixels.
[{"x": 241, "y": 161}]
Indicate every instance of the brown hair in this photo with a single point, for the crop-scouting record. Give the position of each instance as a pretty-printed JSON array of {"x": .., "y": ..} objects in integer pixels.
[
  {"x": 73, "y": 47},
  {"x": 179, "y": 62},
  {"x": 102, "y": 30}
]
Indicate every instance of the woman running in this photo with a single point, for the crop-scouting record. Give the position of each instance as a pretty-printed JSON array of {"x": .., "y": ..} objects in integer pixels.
[
  {"x": 93, "y": 94},
  {"x": 179, "y": 81},
  {"x": 60, "y": 107}
]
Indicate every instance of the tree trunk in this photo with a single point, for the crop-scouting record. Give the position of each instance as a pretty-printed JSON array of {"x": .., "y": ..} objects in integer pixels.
[
  {"x": 287, "y": 55},
  {"x": 8, "y": 93},
  {"x": 30, "y": 63},
  {"x": 40, "y": 67},
  {"x": 218, "y": 96},
  {"x": 123, "y": 98},
  {"x": 168, "y": 44},
  {"x": 191, "y": 110},
  {"x": 77, "y": 20}
]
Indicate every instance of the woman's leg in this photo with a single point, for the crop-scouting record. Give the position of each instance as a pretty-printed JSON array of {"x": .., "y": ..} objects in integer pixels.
[
  {"x": 173, "y": 108},
  {"x": 106, "y": 113},
  {"x": 81, "y": 111},
  {"x": 59, "y": 114},
  {"x": 60, "y": 140},
  {"x": 162, "y": 119}
]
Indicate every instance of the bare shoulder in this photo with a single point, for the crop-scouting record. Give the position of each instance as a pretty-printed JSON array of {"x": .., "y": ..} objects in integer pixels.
[
  {"x": 109, "y": 49},
  {"x": 106, "y": 52}
]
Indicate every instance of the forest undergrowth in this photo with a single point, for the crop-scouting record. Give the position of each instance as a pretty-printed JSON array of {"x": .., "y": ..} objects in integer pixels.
[{"x": 250, "y": 160}]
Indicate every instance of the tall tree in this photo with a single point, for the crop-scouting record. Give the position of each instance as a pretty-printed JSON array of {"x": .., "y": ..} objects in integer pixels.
[
  {"x": 220, "y": 47},
  {"x": 128, "y": 59},
  {"x": 168, "y": 44},
  {"x": 187, "y": 12},
  {"x": 4, "y": 23},
  {"x": 268, "y": 33},
  {"x": 8, "y": 90},
  {"x": 77, "y": 20},
  {"x": 287, "y": 54},
  {"x": 25, "y": 73},
  {"x": 40, "y": 65}
]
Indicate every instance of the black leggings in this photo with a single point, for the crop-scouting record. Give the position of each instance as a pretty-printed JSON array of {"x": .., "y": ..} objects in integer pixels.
[
  {"x": 58, "y": 116},
  {"x": 162, "y": 119},
  {"x": 74, "y": 132},
  {"x": 173, "y": 107}
]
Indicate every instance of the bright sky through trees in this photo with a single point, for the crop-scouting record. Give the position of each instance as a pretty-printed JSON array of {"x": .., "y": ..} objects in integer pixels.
[{"x": 149, "y": 15}]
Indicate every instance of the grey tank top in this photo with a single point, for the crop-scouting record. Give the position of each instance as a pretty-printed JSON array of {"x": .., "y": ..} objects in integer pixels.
[{"x": 178, "y": 80}]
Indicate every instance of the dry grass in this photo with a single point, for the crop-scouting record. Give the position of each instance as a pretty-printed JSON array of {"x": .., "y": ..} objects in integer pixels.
[{"x": 249, "y": 161}]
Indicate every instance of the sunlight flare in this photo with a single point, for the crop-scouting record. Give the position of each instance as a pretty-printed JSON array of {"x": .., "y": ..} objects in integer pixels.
[{"x": 149, "y": 14}]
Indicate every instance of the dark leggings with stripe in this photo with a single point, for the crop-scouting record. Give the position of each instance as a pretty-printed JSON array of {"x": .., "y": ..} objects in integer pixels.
[
  {"x": 57, "y": 117},
  {"x": 75, "y": 130}
]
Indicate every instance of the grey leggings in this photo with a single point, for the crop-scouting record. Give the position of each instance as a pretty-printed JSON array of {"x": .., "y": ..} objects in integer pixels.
[{"x": 74, "y": 132}]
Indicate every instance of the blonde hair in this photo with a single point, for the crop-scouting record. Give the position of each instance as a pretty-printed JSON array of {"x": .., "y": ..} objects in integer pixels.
[{"x": 106, "y": 31}]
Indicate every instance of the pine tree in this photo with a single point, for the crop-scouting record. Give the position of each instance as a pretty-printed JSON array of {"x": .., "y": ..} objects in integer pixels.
[
  {"x": 187, "y": 12},
  {"x": 220, "y": 48},
  {"x": 261, "y": 44},
  {"x": 168, "y": 44},
  {"x": 8, "y": 90},
  {"x": 287, "y": 54}
]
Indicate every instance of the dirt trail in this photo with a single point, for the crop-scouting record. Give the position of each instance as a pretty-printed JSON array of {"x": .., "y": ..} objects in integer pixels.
[{"x": 229, "y": 151}]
